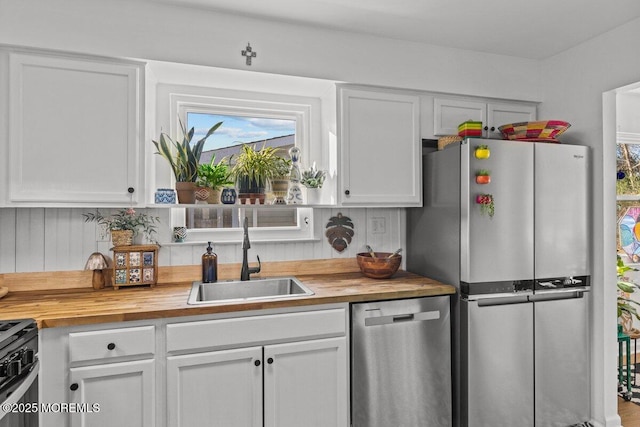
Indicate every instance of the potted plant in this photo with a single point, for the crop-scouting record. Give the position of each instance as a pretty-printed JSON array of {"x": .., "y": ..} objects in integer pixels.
[
  {"x": 626, "y": 311},
  {"x": 486, "y": 203},
  {"x": 213, "y": 177},
  {"x": 125, "y": 224},
  {"x": 313, "y": 179},
  {"x": 482, "y": 152},
  {"x": 253, "y": 169},
  {"x": 280, "y": 180},
  {"x": 483, "y": 176},
  {"x": 184, "y": 159}
]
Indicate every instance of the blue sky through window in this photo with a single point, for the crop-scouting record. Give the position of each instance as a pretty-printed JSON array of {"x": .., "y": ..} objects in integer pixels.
[{"x": 237, "y": 130}]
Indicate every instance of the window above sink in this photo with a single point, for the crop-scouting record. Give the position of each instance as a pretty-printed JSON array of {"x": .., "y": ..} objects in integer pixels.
[{"x": 304, "y": 108}]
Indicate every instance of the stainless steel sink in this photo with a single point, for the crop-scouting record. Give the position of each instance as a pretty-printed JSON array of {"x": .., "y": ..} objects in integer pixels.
[{"x": 248, "y": 290}]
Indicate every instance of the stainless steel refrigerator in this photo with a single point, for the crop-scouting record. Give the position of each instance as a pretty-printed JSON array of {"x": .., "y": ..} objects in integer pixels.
[{"x": 520, "y": 320}]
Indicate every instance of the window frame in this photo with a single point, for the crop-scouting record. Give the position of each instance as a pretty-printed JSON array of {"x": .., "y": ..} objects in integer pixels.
[
  {"x": 246, "y": 104},
  {"x": 627, "y": 138}
]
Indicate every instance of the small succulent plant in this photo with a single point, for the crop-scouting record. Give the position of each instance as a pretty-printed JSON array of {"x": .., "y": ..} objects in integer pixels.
[
  {"x": 312, "y": 177},
  {"x": 486, "y": 203}
]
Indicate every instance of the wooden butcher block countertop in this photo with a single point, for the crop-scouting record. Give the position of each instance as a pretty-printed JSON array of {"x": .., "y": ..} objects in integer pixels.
[{"x": 69, "y": 307}]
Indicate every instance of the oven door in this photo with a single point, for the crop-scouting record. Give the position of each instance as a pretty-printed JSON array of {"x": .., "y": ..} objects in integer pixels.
[{"x": 19, "y": 402}]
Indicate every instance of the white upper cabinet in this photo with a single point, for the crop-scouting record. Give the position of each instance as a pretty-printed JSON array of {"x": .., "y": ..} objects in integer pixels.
[
  {"x": 380, "y": 147},
  {"x": 449, "y": 113},
  {"x": 499, "y": 114},
  {"x": 75, "y": 130}
]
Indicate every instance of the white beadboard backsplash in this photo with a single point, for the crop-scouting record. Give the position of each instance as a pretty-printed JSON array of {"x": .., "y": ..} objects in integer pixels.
[{"x": 58, "y": 239}]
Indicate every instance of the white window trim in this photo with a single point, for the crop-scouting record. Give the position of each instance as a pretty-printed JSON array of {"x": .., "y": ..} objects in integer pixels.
[
  {"x": 302, "y": 232},
  {"x": 181, "y": 104},
  {"x": 243, "y": 105}
]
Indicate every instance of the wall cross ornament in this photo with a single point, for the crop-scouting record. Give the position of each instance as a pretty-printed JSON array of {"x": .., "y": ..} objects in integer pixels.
[{"x": 249, "y": 53}]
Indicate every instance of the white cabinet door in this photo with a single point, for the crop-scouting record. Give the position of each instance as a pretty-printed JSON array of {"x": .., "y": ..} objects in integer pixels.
[
  {"x": 449, "y": 113},
  {"x": 217, "y": 389},
  {"x": 505, "y": 113},
  {"x": 306, "y": 384},
  {"x": 75, "y": 130},
  {"x": 124, "y": 392},
  {"x": 380, "y": 154}
]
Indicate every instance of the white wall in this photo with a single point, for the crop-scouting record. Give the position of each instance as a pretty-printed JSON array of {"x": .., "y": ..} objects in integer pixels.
[
  {"x": 573, "y": 84},
  {"x": 148, "y": 30},
  {"x": 56, "y": 239}
]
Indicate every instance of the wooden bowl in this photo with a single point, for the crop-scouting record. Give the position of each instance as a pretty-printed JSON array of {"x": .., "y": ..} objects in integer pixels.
[{"x": 379, "y": 267}]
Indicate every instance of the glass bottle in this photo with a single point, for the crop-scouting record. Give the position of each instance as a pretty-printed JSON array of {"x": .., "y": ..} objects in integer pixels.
[{"x": 209, "y": 266}]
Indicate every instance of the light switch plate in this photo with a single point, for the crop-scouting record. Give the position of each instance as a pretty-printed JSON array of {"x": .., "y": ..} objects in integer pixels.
[{"x": 378, "y": 225}]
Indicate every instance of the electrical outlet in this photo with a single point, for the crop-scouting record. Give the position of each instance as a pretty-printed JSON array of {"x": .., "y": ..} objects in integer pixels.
[
  {"x": 378, "y": 225},
  {"x": 104, "y": 233}
]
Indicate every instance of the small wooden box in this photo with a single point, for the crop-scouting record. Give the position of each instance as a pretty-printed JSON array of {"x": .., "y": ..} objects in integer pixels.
[{"x": 135, "y": 265}]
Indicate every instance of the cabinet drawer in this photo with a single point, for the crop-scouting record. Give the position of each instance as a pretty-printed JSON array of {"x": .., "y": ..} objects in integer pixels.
[
  {"x": 256, "y": 330},
  {"x": 111, "y": 343}
]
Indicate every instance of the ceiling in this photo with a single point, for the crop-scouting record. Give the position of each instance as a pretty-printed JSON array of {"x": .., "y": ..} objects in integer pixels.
[{"x": 535, "y": 29}]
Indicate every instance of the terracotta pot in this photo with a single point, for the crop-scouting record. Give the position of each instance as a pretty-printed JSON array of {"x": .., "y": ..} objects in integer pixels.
[
  {"x": 186, "y": 192},
  {"x": 250, "y": 192}
]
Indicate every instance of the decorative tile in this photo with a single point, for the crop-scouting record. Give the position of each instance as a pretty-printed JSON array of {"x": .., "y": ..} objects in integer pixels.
[
  {"x": 134, "y": 259},
  {"x": 147, "y": 259},
  {"x": 147, "y": 275},
  {"x": 121, "y": 259},
  {"x": 121, "y": 276},
  {"x": 134, "y": 275}
]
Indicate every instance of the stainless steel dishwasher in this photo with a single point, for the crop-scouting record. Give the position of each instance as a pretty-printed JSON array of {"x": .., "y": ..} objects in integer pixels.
[{"x": 401, "y": 363}]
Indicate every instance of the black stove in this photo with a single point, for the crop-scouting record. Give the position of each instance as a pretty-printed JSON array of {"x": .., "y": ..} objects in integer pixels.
[{"x": 18, "y": 350}]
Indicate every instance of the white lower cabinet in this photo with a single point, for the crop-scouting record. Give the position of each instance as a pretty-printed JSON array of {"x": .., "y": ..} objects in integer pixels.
[
  {"x": 114, "y": 394},
  {"x": 219, "y": 388},
  {"x": 305, "y": 384},
  {"x": 98, "y": 376},
  {"x": 252, "y": 369}
]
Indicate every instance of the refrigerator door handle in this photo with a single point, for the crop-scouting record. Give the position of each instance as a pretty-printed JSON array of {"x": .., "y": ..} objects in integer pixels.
[
  {"x": 488, "y": 302},
  {"x": 398, "y": 318},
  {"x": 558, "y": 295}
]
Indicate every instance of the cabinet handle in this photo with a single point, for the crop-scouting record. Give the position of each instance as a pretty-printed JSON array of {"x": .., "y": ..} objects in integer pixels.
[
  {"x": 111, "y": 346},
  {"x": 347, "y": 192},
  {"x": 257, "y": 363},
  {"x": 131, "y": 190},
  {"x": 270, "y": 360},
  {"x": 73, "y": 387},
  {"x": 486, "y": 128},
  {"x": 493, "y": 128}
]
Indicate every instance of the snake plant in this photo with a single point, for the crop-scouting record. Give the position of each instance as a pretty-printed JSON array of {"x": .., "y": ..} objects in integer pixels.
[{"x": 183, "y": 158}]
